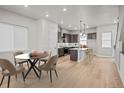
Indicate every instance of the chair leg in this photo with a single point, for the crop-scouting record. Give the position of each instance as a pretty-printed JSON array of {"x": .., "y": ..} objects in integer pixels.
[
  {"x": 23, "y": 76},
  {"x": 8, "y": 81},
  {"x": 47, "y": 72},
  {"x": 15, "y": 63},
  {"x": 2, "y": 81},
  {"x": 40, "y": 73},
  {"x": 39, "y": 63},
  {"x": 16, "y": 76},
  {"x": 56, "y": 73},
  {"x": 51, "y": 76},
  {"x": 45, "y": 61}
]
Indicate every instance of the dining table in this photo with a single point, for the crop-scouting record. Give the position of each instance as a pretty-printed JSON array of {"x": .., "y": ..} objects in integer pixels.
[{"x": 32, "y": 61}]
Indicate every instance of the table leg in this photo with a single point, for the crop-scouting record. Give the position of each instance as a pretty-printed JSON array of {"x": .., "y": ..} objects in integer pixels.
[
  {"x": 36, "y": 73},
  {"x": 28, "y": 72},
  {"x": 35, "y": 61},
  {"x": 32, "y": 67},
  {"x": 37, "y": 68}
]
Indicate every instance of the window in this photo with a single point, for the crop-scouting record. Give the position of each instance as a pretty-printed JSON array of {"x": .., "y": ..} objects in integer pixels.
[
  {"x": 14, "y": 37},
  {"x": 83, "y": 39},
  {"x": 106, "y": 40}
]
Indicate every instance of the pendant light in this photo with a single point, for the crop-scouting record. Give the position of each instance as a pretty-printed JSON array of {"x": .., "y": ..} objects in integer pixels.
[
  {"x": 81, "y": 32},
  {"x": 84, "y": 33},
  {"x": 80, "y": 27}
]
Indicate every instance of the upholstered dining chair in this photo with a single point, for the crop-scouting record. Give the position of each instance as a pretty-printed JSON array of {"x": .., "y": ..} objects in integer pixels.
[
  {"x": 8, "y": 69},
  {"x": 46, "y": 58},
  {"x": 50, "y": 66},
  {"x": 20, "y": 62}
]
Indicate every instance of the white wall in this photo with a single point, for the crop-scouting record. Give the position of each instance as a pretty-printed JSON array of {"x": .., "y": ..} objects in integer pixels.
[
  {"x": 106, "y": 14},
  {"x": 109, "y": 52},
  {"x": 120, "y": 35},
  {"x": 47, "y": 35},
  {"x": 38, "y": 31},
  {"x": 15, "y": 37},
  {"x": 42, "y": 35},
  {"x": 92, "y": 43},
  {"x": 6, "y": 35},
  {"x": 13, "y": 18}
]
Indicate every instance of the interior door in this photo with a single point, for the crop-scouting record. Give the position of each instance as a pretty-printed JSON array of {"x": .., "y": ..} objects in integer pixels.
[{"x": 53, "y": 37}]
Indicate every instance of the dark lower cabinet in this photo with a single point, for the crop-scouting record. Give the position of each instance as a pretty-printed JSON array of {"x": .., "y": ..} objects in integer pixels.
[
  {"x": 65, "y": 51},
  {"x": 61, "y": 52},
  {"x": 73, "y": 55}
]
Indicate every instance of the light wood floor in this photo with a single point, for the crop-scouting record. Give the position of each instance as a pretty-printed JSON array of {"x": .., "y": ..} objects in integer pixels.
[{"x": 101, "y": 73}]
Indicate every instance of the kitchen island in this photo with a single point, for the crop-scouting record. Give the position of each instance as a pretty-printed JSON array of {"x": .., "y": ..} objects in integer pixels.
[{"x": 77, "y": 54}]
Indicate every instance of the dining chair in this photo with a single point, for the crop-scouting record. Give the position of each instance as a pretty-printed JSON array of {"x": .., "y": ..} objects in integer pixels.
[
  {"x": 50, "y": 66},
  {"x": 8, "y": 69},
  {"x": 46, "y": 58},
  {"x": 89, "y": 55},
  {"x": 20, "y": 62}
]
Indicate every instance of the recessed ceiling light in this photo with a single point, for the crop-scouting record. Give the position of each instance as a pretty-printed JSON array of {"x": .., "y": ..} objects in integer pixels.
[
  {"x": 61, "y": 22},
  {"x": 87, "y": 26},
  {"x": 26, "y": 5},
  {"x": 64, "y": 9},
  {"x": 47, "y": 15},
  {"x": 115, "y": 21}
]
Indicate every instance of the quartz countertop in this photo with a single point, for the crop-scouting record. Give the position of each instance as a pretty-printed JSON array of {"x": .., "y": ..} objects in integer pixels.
[{"x": 78, "y": 48}]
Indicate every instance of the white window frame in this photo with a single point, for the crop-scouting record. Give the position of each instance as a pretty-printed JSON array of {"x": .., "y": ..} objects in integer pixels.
[{"x": 106, "y": 40}]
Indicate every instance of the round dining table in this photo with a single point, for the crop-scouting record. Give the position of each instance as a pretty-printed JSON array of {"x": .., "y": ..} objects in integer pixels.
[{"x": 32, "y": 61}]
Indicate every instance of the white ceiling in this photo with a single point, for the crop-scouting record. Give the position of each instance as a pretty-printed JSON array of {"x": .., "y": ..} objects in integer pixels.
[{"x": 91, "y": 15}]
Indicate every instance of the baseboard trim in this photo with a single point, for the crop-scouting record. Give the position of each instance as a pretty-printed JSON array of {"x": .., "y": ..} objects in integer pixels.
[{"x": 104, "y": 56}]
